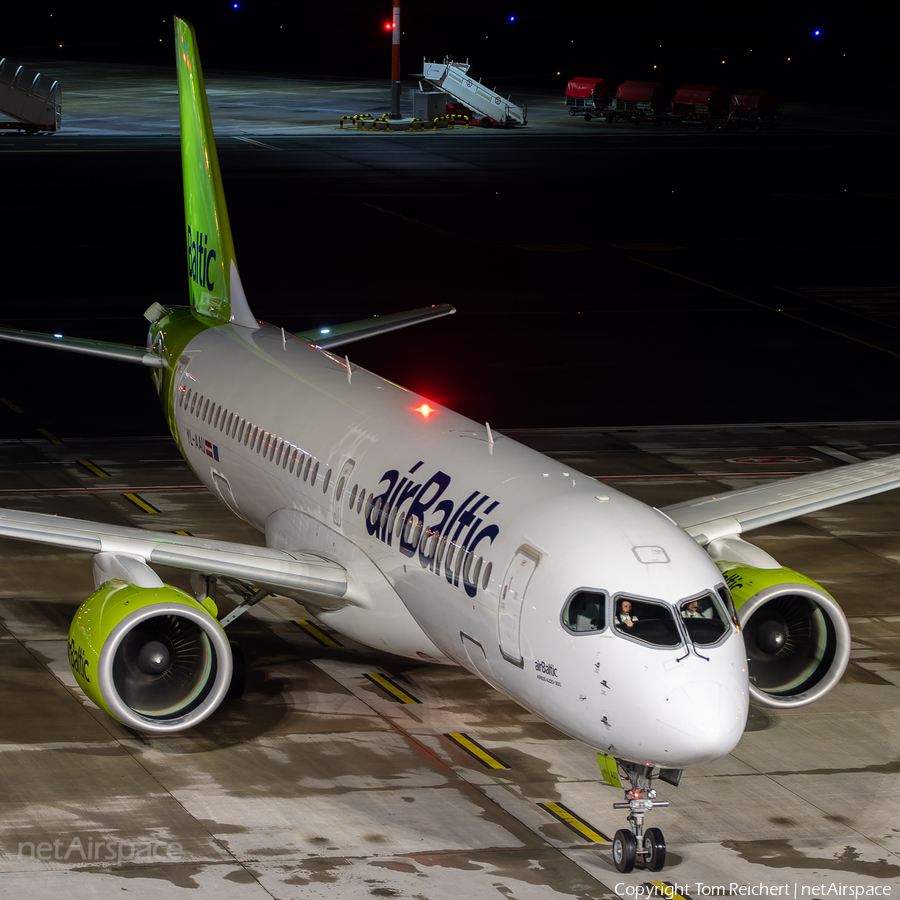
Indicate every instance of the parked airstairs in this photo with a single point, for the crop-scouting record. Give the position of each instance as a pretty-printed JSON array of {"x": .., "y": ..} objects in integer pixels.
[
  {"x": 34, "y": 100},
  {"x": 453, "y": 77}
]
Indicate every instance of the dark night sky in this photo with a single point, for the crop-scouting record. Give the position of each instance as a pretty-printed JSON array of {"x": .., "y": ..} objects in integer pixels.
[{"x": 617, "y": 41}]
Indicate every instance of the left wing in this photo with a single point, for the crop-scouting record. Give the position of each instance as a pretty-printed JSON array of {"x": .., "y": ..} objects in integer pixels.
[
  {"x": 262, "y": 566},
  {"x": 734, "y": 512}
]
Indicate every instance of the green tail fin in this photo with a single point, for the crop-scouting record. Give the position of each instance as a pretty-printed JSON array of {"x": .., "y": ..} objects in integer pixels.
[{"x": 215, "y": 285}]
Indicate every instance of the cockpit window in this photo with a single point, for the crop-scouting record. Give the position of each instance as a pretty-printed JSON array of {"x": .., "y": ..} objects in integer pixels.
[
  {"x": 704, "y": 619},
  {"x": 728, "y": 603},
  {"x": 646, "y": 620},
  {"x": 585, "y": 611}
]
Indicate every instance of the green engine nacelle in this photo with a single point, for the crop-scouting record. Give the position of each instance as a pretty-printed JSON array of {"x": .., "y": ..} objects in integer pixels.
[
  {"x": 153, "y": 658},
  {"x": 797, "y": 637}
]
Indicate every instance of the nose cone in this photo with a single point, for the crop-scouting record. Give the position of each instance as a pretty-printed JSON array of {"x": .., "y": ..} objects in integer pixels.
[{"x": 699, "y": 722}]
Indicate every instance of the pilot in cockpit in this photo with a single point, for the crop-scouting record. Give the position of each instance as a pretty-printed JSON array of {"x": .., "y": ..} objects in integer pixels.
[
  {"x": 625, "y": 618},
  {"x": 692, "y": 609}
]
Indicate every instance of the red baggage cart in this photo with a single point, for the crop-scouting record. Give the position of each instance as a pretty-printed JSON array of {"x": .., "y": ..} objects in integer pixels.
[
  {"x": 702, "y": 104},
  {"x": 640, "y": 101},
  {"x": 589, "y": 97},
  {"x": 758, "y": 109}
]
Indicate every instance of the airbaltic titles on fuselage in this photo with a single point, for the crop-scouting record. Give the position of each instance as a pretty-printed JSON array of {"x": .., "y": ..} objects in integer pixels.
[{"x": 447, "y": 544}]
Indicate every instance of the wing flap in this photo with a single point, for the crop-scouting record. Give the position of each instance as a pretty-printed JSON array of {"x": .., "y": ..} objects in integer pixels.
[
  {"x": 736, "y": 512},
  {"x": 259, "y": 565}
]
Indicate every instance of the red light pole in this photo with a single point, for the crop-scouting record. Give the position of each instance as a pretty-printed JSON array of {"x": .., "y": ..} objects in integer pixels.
[{"x": 395, "y": 63}]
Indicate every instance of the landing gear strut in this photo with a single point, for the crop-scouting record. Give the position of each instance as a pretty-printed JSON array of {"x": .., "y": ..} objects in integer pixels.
[{"x": 639, "y": 800}]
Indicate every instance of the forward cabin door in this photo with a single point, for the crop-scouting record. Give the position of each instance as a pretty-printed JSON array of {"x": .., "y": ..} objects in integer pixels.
[{"x": 512, "y": 600}]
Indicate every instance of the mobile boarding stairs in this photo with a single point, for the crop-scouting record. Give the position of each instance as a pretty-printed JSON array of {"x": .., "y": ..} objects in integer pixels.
[
  {"x": 453, "y": 77},
  {"x": 34, "y": 100}
]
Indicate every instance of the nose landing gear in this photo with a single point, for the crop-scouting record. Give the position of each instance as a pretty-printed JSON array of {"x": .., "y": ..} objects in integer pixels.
[{"x": 628, "y": 845}]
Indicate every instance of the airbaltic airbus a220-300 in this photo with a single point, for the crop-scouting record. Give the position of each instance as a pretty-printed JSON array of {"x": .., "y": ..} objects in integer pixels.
[{"x": 645, "y": 633}]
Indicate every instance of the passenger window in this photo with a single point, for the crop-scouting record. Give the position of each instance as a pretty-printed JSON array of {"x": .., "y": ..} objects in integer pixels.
[
  {"x": 442, "y": 546},
  {"x": 327, "y": 482},
  {"x": 315, "y": 474},
  {"x": 486, "y": 578},
  {"x": 359, "y": 503},
  {"x": 584, "y": 610},
  {"x": 306, "y": 468},
  {"x": 352, "y": 500},
  {"x": 646, "y": 620}
]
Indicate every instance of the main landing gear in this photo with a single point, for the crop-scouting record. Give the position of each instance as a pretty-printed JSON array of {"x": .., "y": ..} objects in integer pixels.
[{"x": 628, "y": 845}]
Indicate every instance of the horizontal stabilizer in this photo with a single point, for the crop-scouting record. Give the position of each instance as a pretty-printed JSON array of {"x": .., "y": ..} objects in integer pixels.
[
  {"x": 261, "y": 566},
  {"x": 106, "y": 349},
  {"x": 334, "y": 336}
]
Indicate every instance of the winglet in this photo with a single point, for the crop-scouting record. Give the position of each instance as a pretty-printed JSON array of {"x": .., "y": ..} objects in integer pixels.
[{"x": 215, "y": 286}]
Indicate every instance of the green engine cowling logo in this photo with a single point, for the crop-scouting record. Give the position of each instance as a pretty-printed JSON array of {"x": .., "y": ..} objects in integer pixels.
[
  {"x": 746, "y": 582},
  {"x": 110, "y": 605}
]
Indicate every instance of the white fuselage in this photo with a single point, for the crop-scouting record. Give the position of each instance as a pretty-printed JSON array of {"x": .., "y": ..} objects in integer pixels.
[{"x": 461, "y": 549}]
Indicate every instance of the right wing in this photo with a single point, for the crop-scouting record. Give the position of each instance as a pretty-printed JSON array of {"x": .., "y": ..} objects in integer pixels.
[
  {"x": 261, "y": 566},
  {"x": 735, "y": 512}
]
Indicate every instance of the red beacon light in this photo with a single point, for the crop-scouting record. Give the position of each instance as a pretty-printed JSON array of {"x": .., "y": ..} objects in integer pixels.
[
  {"x": 425, "y": 410},
  {"x": 388, "y": 26}
]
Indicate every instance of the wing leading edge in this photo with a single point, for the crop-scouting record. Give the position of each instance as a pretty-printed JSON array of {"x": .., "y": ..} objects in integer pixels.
[{"x": 734, "y": 512}]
